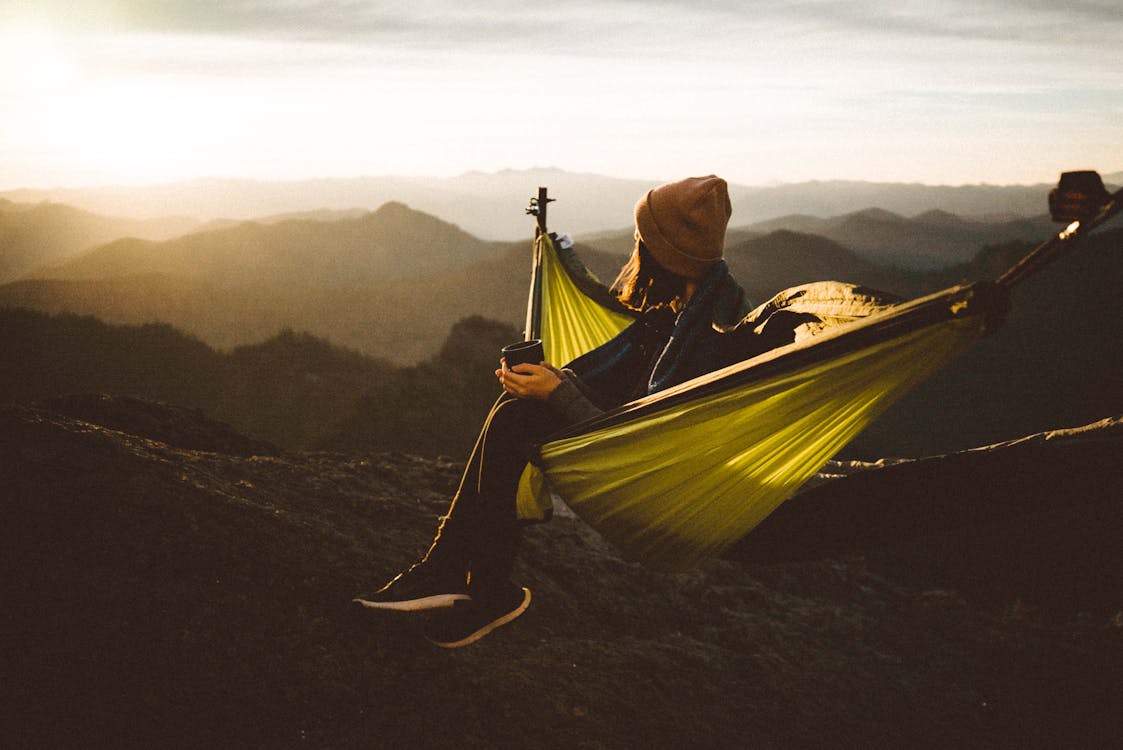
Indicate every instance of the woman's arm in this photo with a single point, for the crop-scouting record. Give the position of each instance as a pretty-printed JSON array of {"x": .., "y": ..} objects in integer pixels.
[
  {"x": 560, "y": 389},
  {"x": 529, "y": 381}
]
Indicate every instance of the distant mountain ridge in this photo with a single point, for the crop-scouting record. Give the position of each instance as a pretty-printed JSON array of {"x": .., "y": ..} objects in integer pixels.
[
  {"x": 490, "y": 205},
  {"x": 392, "y": 242},
  {"x": 781, "y": 259},
  {"x": 930, "y": 240},
  {"x": 33, "y": 235}
]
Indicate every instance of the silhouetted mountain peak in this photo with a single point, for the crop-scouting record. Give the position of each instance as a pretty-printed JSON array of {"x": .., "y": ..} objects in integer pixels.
[
  {"x": 395, "y": 214},
  {"x": 875, "y": 214},
  {"x": 396, "y": 209},
  {"x": 939, "y": 218},
  {"x": 787, "y": 242}
]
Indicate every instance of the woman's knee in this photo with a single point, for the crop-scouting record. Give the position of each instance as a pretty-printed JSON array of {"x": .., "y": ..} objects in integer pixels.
[{"x": 519, "y": 420}]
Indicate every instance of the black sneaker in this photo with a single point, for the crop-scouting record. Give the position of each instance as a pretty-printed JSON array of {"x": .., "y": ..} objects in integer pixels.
[
  {"x": 423, "y": 586},
  {"x": 469, "y": 621}
]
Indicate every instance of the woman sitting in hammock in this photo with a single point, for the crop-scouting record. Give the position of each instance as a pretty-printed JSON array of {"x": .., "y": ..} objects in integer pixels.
[{"x": 689, "y": 306}]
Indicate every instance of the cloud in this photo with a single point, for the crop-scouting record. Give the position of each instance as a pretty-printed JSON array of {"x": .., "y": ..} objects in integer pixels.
[
  {"x": 688, "y": 28},
  {"x": 1040, "y": 20},
  {"x": 623, "y": 81},
  {"x": 420, "y": 22},
  {"x": 454, "y": 22}
]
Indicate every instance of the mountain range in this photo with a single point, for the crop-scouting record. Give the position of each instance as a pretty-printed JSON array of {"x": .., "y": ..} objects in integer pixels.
[
  {"x": 930, "y": 240},
  {"x": 388, "y": 283},
  {"x": 392, "y": 283},
  {"x": 392, "y": 242},
  {"x": 490, "y": 205}
]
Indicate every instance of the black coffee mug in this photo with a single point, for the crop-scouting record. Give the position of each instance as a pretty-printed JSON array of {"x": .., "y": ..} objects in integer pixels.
[{"x": 523, "y": 352}]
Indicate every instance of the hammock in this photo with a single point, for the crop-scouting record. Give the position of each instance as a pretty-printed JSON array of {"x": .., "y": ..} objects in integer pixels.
[
  {"x": 569, "y": 309},
  {"x": 677, "y": 477}
]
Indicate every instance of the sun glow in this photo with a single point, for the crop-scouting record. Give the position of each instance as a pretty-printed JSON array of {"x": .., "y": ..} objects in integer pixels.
[
  {"x": 129, "y": 130},
  {"x": 95, "y": 92},
  {"x": 34, "y": 60},
  {"x": 93, "y": 117}
]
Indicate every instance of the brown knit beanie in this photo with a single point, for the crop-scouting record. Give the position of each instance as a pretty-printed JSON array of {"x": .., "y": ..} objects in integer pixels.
[{"x": 683, "y": 224}]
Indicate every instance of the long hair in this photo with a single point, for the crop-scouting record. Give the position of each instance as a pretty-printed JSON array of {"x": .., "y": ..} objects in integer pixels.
[{"x": 643, "y": 284}]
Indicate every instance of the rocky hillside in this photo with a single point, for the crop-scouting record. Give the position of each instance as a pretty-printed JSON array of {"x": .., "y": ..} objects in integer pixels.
[{"x": 169, "y": 583}]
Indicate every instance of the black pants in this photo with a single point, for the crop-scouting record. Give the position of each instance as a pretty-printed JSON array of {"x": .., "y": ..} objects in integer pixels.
[{"x": 481, "y": 531}]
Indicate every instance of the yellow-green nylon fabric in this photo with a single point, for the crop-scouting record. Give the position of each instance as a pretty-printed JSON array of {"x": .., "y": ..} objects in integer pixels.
[
  {"x": 571, "y": 323},
  {"x": 678, "y": 486},
  {"x": 533, "y": 501}
]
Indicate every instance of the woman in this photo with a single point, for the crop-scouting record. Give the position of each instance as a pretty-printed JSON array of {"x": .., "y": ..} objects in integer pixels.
[{"x": 689, "y": 306}]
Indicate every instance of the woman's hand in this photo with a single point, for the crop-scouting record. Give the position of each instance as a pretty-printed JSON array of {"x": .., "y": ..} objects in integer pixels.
[{"x": 529, "y": 381}]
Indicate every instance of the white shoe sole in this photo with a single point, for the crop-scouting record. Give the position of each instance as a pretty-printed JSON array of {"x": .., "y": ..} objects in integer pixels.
[
  {"x": 489, "y": 627},
  {"x": 439, "y": 601}
]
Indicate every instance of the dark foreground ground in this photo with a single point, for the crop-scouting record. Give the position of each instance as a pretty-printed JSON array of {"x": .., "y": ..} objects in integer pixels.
[{"x": 168, "y": 583}]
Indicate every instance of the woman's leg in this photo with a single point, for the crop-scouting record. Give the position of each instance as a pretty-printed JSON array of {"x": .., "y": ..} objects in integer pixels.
[
  {"x": 483, "y": 525},
  {"x": 481, "y": 530}
]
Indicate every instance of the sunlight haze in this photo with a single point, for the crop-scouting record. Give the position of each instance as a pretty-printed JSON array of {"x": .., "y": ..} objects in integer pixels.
[{"x": 950, "y": 92}]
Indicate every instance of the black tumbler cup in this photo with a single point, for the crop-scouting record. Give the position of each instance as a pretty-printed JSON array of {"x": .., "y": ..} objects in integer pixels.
[{"x": 523, "y": 352}]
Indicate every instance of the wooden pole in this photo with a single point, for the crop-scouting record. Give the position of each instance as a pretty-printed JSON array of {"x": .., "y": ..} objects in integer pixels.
[
  {"x": 533, "y": 329},
  {"x": 542, "y": 202}
]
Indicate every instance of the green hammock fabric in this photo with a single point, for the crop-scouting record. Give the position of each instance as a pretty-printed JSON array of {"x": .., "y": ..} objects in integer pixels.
[
  {"x": 571, "y": 322},
  {"x": 675, "y": 478},
  {"x": 678, "y": 486}
]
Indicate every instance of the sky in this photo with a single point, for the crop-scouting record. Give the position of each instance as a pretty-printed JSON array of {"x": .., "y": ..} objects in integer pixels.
[{"x": 938, "y": 91}]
